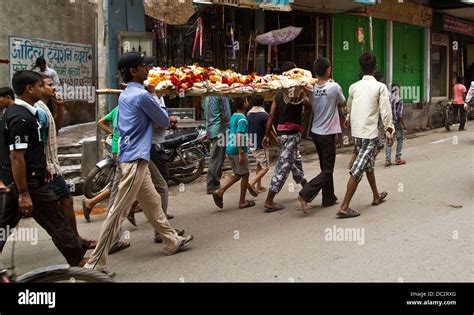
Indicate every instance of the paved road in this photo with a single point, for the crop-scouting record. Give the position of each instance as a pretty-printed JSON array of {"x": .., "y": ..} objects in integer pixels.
[{"x": 424, "y": 232}]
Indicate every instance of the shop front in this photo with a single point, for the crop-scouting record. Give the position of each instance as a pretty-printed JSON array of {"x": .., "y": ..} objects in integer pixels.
[{"x": 398, "y": 34}]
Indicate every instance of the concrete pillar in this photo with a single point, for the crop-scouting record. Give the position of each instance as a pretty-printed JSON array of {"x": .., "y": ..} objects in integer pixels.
[
  {"x": 102, "y": 66},
  {"x": 427, "y": 65}
]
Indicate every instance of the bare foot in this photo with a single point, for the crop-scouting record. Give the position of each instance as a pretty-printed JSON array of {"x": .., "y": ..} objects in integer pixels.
[{"x": 304, "y": 205}]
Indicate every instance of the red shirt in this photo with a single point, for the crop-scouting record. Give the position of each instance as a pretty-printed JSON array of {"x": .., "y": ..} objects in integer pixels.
[{"x": 459, "y": 90}]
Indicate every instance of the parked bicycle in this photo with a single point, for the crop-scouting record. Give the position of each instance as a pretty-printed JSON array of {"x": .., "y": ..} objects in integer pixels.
[{"x": 440, "y": 117}]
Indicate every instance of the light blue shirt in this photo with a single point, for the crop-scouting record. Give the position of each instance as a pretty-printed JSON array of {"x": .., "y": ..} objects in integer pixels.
[
  {"x": 44, "y": 122},
  {"x": 137, "y": 112}
]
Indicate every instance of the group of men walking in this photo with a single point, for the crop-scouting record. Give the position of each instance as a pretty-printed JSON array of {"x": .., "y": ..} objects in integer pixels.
[
  {"x": 367, "y": 99},
  {"x": 30, "y": 171}
]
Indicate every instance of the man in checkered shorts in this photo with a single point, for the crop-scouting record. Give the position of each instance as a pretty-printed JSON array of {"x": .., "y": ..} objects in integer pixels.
[{"x": 367, "y": 99}]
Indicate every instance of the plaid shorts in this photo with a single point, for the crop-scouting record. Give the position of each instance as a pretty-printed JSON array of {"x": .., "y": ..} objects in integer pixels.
[{"x": 365, "y": 162}]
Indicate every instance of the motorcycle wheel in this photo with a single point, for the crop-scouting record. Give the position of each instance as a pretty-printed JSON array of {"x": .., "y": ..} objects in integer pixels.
[
  {"x": 97, "y": 181},
  {"x": 189, "y": 178}
]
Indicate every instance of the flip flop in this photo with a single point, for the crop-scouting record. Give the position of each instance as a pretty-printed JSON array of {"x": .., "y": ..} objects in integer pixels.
[
  {"x": 277, "y": 207},
  {"x": 382, "y": 195},
  {"x": 219, "y": 201},
  {"x": 86, "y": 211},
  {"x": 349, "y": 214},
  {"x": 252, "y": 191},
  {"x": 400, "y": 162},
  {"x": 118, "y": 247},
  {"x": 247, "y": 205}
]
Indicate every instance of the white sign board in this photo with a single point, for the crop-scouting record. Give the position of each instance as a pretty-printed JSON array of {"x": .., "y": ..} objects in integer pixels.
[{"x": 72, "y": 62}]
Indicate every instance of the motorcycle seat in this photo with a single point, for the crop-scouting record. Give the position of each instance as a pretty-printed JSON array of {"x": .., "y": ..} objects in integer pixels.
[{"x": 176, "y": 139}]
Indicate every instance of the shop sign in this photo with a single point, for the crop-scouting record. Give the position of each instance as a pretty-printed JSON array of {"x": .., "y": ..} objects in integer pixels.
[
  {"x": 439, "y": 39},
  {"x": 458, "y": 26},
  {"x": 406, "y": 12}
]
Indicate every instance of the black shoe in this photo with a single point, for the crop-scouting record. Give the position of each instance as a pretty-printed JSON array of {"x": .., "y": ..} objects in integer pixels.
[
  {"x": 158, "y": 238},
  {"x": 169, "y": 216}
]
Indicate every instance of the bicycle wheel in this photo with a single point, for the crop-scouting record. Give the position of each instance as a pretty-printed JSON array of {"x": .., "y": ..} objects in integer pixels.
[
  {"x": 66, "y": 275},
  {"x": 437, "y": 119}
]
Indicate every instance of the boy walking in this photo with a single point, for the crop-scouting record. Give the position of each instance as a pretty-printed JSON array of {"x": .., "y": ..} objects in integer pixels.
[
  {"x": 258, "y": 117},
  {"x": 367, "y": 98},
  {"x": 325, "y": 98},
  {"x": 237, "y": 153},
  {"x": 399, "y": 124}
]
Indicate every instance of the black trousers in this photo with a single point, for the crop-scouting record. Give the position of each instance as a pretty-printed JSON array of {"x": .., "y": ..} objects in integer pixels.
[
  {"x": 326, "y": 148},
  {"x": 49, "y": 215},
  {"x": 462, "y": 113},
  {"x": 160, "y": 159}
]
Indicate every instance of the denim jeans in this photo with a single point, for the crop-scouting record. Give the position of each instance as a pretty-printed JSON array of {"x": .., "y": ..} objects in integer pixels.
[{"x": 399, "y": 136}]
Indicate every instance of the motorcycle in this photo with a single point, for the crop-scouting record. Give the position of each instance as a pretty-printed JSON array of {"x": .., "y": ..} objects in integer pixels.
[{"x": 185, "y": 151}]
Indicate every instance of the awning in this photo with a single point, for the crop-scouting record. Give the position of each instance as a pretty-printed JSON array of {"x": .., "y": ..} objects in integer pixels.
[
  {"x": 274, "y": 5},
  {"x": 326, "y": 6}
]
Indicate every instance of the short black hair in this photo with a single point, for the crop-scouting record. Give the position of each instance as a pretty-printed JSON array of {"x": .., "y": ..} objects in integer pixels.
[
  {"x": 459, "y": 79},
  {"x": 287, "y": 66},
  {"x": 239, "y": 103},
  {"x": 40, "y": 61},
  {"x": 6, "y": 91},
  {"x": 378, "y": 75},
  {"x": 22, "y": 79},
  {"x": 368, "y": 63},
  {"x": 256, "y": 100},
  {"x": 320, "y": 66}
]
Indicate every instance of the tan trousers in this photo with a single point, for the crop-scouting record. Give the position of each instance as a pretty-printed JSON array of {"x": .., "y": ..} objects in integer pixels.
[{"x": 136, "y": 184}]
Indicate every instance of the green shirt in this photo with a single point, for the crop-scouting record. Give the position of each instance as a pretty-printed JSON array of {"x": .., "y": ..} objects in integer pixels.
[
  {"x": 112, "y": 118},
  {"x": 238, "y": 124}
]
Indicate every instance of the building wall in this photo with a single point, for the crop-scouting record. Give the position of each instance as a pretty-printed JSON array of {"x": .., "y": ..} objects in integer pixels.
[
  {"x": 123, "y": 16},
  {"x": 55, "y": 20}
]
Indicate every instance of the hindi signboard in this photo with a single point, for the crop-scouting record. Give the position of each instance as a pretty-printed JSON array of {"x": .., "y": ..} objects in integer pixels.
[{"x": 72, "y": 62}]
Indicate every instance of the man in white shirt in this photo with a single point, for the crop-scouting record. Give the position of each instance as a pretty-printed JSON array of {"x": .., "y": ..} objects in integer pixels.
[
  {"x": 367, "y": 99},
  {"x": 43, "y": 69}
]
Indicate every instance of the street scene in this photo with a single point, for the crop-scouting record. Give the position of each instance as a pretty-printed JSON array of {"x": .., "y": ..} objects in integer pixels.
[{"x": 237, "y": 141}]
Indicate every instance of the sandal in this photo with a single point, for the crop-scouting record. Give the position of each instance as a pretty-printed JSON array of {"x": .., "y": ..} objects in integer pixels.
[
  {"x": 348, "y": 214},
  {"x": 218, "y": 200},
  {"x": 400, "y": 162},
  {"x": 118, "y": 247},
  {"x": 252, "y": 191},
  {"x": 247, "y": 205},
  {"x": 382, "y": 196},
  {"x": 131, "y": 218},
  {"x": 261, "y": 190},
  {"x": 86, "y": 211},
  {"x": 276, "y": 207}
]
